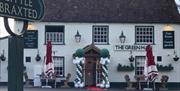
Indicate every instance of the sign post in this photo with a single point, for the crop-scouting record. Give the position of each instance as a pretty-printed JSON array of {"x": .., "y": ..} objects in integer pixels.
[{"x": 25, "y": 10}]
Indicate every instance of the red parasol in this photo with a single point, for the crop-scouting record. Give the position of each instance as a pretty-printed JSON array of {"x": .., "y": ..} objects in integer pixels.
[
  {"x": 150, "y": 69},
  {"x": 49, "y": 68}
]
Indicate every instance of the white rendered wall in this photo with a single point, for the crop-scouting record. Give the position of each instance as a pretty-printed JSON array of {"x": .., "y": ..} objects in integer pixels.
[
  {"x": 4, "y": 64},
  {"x": 85, "y": 29}
]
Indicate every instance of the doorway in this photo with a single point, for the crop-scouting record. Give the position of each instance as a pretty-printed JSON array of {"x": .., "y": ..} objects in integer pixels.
[
  {"x": 90, "y": 72},
  {"x": 92, "y": 67}
]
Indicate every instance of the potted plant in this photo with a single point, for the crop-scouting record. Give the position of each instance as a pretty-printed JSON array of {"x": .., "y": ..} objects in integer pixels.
[
  {"x": 104, "y": 53},
  {"x": 79, "y": 53}
]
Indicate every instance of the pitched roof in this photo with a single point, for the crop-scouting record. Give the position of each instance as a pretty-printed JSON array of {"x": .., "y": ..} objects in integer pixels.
[{"x": 112, "y": 11}]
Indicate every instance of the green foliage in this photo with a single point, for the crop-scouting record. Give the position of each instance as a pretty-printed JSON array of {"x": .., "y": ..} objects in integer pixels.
[
  {"x": 125, "y": 67},
  {"x": 79, "y": 53},
  {"x": 104, "y": 53},
  {"x": 165, "y": 68}
]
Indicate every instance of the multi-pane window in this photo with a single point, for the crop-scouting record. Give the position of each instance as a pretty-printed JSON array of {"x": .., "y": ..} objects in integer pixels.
[
  {"x": 140, "y": 61},
  {"x": 100, "y": 34},
  {"x": 55, "y": 34},
  {"x": 59, "y": 66},
  {"x": 144, "y": 34}
]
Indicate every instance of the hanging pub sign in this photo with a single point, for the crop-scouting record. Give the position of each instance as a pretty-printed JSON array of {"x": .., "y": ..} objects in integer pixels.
[
  {"x": 168, "y": 39},
  {"x": 129, "y": 47},
  {"x": 31, "y": 39},
  {"x": 32, "y": 10}
]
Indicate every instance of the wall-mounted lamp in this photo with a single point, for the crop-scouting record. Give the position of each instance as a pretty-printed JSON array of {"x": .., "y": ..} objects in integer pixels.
[
  {"x": 131, "y": 58},
  {"x": 78, "y": 37},
  {"x": 122, "y": 37},
  {"x": 38, "y": 57},
  {"x": 176, "y": 58},
  {"x": 168, "y": 27},
  {"x": 30, "y": 27},
  {"x": 2, "y": 57}
]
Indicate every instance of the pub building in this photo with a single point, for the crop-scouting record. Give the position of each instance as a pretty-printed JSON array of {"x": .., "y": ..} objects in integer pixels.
[{"x": 123, "y": 27}]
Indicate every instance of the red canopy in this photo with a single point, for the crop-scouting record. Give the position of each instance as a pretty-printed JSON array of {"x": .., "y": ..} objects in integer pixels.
[
  {"x": 150, "y": 69},
  {"x": 49, "y": 70}
]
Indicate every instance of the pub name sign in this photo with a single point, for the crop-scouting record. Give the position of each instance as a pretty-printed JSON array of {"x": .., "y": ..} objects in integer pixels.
[
  {"x": 129, "y": 47},
  {"x": 32, "y": 10}
]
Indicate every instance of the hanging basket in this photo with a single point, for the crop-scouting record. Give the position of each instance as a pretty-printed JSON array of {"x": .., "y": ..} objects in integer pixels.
[
  {"x": 2, "y": 57},
  {"x": 38, "y": 58},
  {"x": 176, "y": 58},
  {"x": 131, "y": 59}
]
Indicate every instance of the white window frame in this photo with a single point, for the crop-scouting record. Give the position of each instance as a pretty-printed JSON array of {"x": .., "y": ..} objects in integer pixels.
[
  {"x": 59, "y": 62},
  {"x": 139, "y": 65},
  {"x": 100, "y": 34},
  {"x": 144, "y": 35},
  {"x": 56, "y": 37}
]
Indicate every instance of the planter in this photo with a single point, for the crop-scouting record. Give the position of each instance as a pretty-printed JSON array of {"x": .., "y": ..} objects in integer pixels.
[
  {"x": 165, "y": 68},
  {"x": 125, "y": 67}
]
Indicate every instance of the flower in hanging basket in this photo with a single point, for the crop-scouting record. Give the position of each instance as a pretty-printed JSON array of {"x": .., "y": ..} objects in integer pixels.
[
  {"x": 2, "y": 57},
  {"x": 38, "y": 58}
]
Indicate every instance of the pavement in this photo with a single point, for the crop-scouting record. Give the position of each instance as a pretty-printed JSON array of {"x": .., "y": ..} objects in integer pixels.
[
  {"x": 59, "y": 89},
  {"x": 4, "y": 88}
]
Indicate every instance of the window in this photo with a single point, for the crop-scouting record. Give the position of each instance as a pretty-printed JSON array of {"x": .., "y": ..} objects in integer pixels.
[
  {"x": 144, "y": 35},
  {"x": 59, "y": 66},
  {"x": 55, "y": 34},
  {"x": 100, "y": 34},
  {"x": 28, "y": 59},
  {"x": 140, "y": 61}
]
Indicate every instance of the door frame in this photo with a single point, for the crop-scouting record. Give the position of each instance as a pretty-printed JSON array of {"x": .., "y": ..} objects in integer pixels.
[{"x": 91, "y": 51}]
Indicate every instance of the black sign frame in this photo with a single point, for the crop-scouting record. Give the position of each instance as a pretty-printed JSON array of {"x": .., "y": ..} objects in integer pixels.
[
  {"x": 168, "y": 40},
  {"x": 31, "y": 39},
  {"x": 29, "y": 10}
]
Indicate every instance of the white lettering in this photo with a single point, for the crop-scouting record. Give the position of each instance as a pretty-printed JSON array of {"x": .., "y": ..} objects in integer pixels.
[
  {"x": 20, "y": 11},
  {"x": 6, "y": 8},
  {"x": 1, "y": 7},
  {"x": 13, "y": 11}
]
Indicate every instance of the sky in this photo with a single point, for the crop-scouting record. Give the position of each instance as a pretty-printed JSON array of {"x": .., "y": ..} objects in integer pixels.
[{"x": 3, "y": 32}]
